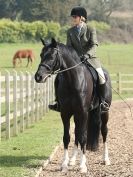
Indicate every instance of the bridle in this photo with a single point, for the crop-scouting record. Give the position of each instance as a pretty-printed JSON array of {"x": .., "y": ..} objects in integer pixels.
[{"x": 58, "y": 58}]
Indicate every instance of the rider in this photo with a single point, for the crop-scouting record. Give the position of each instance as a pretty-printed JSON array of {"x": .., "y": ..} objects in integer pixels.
[{"x": 84, "y": 40}]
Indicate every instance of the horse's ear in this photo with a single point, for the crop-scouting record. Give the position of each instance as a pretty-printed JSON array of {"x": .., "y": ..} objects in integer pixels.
[
  {"x": 54, "y": 42},
  {"x": 43, "y": 42}
]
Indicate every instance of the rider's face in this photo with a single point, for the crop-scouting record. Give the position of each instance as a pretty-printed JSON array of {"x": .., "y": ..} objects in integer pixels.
[{"x": 76, "y": 20}]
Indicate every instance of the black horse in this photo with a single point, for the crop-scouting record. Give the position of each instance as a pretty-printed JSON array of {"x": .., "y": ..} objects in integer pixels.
[{"x": 75, "y": 92}]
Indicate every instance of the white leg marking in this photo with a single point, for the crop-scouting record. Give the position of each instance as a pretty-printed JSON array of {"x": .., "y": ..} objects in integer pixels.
[
  {"x": 64, "y": 166},
  {"x": 83, "y": 167},
  {"x": 74, "y": 155},
  {"x": 105, "y": 154}
]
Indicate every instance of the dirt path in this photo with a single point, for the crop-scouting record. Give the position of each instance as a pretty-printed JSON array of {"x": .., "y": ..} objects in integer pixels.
[{"x": 120, "y": 142}]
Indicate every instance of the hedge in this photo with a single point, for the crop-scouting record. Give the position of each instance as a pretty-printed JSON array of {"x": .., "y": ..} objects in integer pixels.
[{"x": 14, "y": 31}]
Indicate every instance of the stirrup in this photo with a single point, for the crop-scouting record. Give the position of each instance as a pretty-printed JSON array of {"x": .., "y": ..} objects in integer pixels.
[
  {"x": 54, "y": 107},
  {"x": 104, "y": 106}
]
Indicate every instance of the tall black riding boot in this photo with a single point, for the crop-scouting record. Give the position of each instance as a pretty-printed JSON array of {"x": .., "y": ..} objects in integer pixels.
[{"x": 104, "y": 105}]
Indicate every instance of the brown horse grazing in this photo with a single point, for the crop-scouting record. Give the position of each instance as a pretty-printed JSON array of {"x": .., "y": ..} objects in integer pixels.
[{"x": 26, "y": 53}]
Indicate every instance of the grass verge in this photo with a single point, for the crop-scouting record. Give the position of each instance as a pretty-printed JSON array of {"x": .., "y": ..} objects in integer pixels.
[{"x": 21, "y": 155}]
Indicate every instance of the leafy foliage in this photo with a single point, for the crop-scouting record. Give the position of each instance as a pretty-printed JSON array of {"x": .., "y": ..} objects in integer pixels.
[
  {"x": 100, "y": 26},
  {"x": 13, "y": 31}
]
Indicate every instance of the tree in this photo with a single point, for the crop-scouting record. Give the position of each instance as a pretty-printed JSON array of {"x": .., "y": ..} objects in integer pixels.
[
  {"x": 7, "y": 8},
  {"x": 59, "y": 10},
  {"x": 102, "y": 9}
]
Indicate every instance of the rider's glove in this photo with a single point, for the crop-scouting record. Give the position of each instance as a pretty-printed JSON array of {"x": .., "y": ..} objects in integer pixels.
[{"x": 82, "y": 58}]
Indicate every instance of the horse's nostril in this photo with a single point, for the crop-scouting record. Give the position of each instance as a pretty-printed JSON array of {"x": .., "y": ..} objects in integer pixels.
[{"x": 38, "y": 77}]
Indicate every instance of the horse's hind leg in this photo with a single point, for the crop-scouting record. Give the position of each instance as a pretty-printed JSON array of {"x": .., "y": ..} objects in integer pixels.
[
  {"x": 104, "y": 131},
  {"x": 31, "y": 61},
  {"x": 28, "y": 60},
  {"x": 66, "y": 139}
]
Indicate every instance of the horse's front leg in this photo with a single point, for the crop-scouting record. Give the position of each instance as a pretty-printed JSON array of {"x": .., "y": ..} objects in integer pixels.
[
  {"x": 20, "y": 62},
  {"x": 31, "y": 60},
  {"x": 28, "y": 60},
  {"x": 83, "y": 140},
  {"x": 74, "y": 156},
  {"x": 104, "y": 131},
  {"x": 75, "y": 150},
  {"x": 66, "y": 140}
]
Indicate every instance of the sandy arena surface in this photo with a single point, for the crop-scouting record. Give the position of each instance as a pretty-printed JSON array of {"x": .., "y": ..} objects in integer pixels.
[{"x": 120, "y": 143}]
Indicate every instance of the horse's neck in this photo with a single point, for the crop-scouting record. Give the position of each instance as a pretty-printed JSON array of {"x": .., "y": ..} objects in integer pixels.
[{"x": 73, "y": 75}]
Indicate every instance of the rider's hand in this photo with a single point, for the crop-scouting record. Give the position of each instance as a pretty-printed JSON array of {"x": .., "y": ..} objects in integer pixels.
[{"x": 82, "y": 58}]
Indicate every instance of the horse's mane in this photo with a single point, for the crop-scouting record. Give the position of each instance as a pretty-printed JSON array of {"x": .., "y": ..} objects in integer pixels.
[{"x": 69, "y": 52}]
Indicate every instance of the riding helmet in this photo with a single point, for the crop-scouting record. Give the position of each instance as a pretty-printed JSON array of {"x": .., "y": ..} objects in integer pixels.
[{"x": 79, "y": 11}]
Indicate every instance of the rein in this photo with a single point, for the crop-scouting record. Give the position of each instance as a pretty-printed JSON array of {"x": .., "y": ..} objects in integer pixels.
[
  {"x": 58, "y": 70},
  {"x": 67, "y": 69}
]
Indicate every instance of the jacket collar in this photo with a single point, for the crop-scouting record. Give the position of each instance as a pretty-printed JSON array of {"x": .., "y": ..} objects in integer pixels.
[{"x": 83, "y": 29}]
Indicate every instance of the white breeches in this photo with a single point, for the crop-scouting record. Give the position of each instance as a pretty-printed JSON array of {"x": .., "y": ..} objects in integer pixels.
[{"x": 101, "y": 75}]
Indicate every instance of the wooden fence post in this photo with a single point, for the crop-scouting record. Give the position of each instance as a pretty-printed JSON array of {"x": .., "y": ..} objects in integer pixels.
[
  {"x": 39, "y": 101},
  {"x": 27, "y": 99},
  {"x": 119, "y": 83},
  {"x": 47, "y": 95},
  {"x": 53, "y": 89},
  {"x": 44, "y": 99},
  {"x": 32, "y": 88},
  {"x": 21, "y": 102},
  {"x": 7, "y": 96},
  {"x": 15, "y": 93},
  {"x": 36, "y": 101},
  {"x": 41, "y": 97}
]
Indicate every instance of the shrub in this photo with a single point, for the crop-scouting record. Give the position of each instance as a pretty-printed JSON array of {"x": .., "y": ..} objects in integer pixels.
[
  {"x": 100, "y": 26},
  {"x": 13, "y": 31},
  {"x": 63, "y": 33},
  {"x": 41, "y": 31},
  {"x": 9, "y": 31},
  {"x": 53, "y": 29}
]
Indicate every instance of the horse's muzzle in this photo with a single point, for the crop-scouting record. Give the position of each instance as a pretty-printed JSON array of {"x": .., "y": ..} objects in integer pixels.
[{"x": 38, "y": 78}]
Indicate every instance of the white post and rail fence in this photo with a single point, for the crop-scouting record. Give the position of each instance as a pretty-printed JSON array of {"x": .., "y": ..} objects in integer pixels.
[{"x": 24, "y": 102}]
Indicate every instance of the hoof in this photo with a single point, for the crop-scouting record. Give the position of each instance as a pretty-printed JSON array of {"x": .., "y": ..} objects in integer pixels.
[
  {"x": 107, "y": 162},
  {"x": 83, "y": 170},
  {"x": 72, "y": 162},
  {"x": 64, "y": 169}
]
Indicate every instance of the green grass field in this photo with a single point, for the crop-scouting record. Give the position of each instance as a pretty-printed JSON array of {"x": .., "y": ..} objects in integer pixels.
[
  {"x": 115, "y": 57},
  {"x": 20, "y": 155},
  {"x": 7, "y": 52}
]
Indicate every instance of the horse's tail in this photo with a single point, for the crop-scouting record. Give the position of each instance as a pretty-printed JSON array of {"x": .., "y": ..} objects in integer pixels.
[{"x": 93, "y": 130}]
